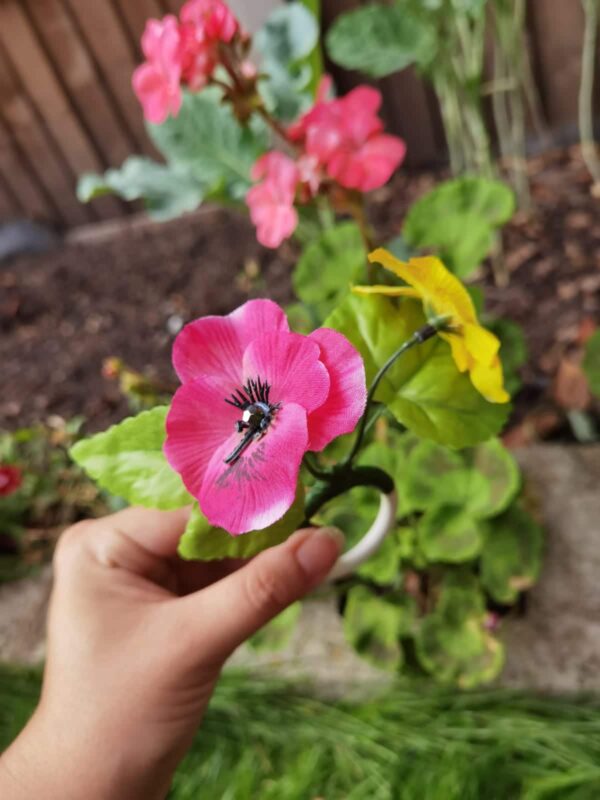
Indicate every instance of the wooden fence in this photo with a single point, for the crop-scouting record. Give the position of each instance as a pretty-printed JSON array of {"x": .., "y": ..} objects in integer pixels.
[{"x": 66, "y": 104}]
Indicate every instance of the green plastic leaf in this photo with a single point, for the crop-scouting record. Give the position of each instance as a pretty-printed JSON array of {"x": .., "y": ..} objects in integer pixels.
[
  {"x": 203, "y": 542},
  {"x": 128, "y": 461},
  {"x": 591, "y": 363},
  {"x": 167, "y": 190},
  {"x": 328, "y": 267},
  {"x": 459, "y": 220},
  {"x": 379, "y": 40},
  {"x": 449, "y": 534},
  {"x": 424, "y": 389},
  {"x": 514, "y": 351},
  {"x": 278, "y": 633},
  {"x": 287, "y": 44},
  {"x": 452, "y": 643},
  {"x": 374, "y": 625},
  {"x": 494, "y": 462},
  {"x": 511, "y": 558},
  {"x": 207, "y": 141}
]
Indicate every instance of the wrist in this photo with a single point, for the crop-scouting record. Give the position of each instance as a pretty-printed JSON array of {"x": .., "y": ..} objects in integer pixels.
[{"x": 53, "y": 761}]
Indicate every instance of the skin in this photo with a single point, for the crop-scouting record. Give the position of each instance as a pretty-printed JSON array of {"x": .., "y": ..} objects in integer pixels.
[{"x": 136, "y": 642}]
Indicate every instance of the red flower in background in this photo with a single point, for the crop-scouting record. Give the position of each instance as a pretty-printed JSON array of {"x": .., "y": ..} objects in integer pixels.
[{"x": 11, "y": 479}]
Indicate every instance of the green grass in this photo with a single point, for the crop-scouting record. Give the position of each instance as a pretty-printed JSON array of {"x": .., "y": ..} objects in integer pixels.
[{"x": 264, "y": 740}]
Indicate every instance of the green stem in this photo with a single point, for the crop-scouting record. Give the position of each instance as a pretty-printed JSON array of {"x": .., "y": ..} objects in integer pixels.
[{"x": 418, "y": 337}]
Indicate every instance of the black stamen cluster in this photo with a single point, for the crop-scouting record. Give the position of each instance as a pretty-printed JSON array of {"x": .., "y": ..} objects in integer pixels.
[{"x": 255, "y": 391}]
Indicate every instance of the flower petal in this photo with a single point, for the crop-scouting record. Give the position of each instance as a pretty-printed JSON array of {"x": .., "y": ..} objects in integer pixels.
[
  {"x": 347, "y": 397},
  {"x": 215, "y": 345},
  {"x": 290, "y": 363},
  {"x": 199, "y": 423},
  {"x": 489, "y": 381},
  {"x": 437, "y": 286},
  {"x": 260, "y": 487},
  {"x": 482, "y": 344}
]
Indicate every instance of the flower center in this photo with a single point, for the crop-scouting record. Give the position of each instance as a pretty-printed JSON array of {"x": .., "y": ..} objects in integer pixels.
[{"x": 253, "y": 400}]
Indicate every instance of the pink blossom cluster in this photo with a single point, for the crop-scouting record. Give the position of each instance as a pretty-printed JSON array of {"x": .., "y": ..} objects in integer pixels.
[
  {"x": 340, "y": 141},
  {"x": 180, "y": 52}
]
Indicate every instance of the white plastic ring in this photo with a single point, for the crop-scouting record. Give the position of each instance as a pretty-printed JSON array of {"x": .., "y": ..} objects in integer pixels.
[{"x": 371, "y": 541}]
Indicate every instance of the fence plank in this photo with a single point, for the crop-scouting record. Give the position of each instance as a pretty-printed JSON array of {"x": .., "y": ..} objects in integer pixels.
[
  {"x": 77, "y": 72},
  {"x": 8, "y": 206},
  {"x": 39, "y": 81},
  {"x": 136, "y": 15},
  {"x": 109, "y": 44},
  {"x": 28, "y": 130},
  {"x": 22, "y": 184},
  {"x": 558, "y": 34}
]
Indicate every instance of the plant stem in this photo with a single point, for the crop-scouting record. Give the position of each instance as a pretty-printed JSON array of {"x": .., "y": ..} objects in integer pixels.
[
  {"x": 586, "y": 90},
  {"x": 418, "y": 337}
]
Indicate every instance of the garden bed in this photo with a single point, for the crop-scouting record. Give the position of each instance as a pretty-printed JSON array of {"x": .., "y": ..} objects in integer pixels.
[{"x": 124, "y": 289}]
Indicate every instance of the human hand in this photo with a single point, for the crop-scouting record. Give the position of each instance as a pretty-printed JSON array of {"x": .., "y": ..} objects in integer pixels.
[{"x": 136, "y": 641}]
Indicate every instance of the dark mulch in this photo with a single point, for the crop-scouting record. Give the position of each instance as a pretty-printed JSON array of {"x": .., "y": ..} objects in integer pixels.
[{"x": 62, "y": 313}]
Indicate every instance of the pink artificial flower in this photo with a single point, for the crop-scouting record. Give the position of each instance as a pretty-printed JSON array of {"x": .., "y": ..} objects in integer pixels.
[
  {"x": 157, "y": 81},
  {"x": 213, "y": 20},
  {"x": 255, "y": 398},
  {"x": 271, "y": 202},
  {"x": 11, "y": 479},
  {"x": 345, "y": 136}
]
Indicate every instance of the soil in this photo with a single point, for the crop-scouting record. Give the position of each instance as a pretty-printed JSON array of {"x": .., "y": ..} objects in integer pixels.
[{"x": 125, "y": 289}]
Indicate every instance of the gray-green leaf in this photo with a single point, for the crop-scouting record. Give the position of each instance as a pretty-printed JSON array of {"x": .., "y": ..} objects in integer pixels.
[
  {"x": 167, "y": 190},
  {"x": 206, "y": 140},
  {"x": 379, "y": 40}
]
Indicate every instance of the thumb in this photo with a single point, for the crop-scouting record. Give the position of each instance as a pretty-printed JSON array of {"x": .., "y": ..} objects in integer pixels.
[{"x": 227, "y": 613}]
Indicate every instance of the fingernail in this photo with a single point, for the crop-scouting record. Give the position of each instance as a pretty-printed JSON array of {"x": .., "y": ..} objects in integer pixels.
[{"x": 318, "y": 552}]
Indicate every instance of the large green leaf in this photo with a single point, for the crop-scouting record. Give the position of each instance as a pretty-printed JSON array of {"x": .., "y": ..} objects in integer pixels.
[
  {"x": 287, "y": 44},
  {"x": 167, "y": 190},
  {"x": 482, "y": 481},
  {"x": 374, "y": 625},
  {"x": 493, "y": 461},
  {"x": 452, "y": 643},
  {"x": 591, "y": 363},
  {"x": 128, "y": 461},
  {"x": 424, "y": 389},
  {"x": 201, "y": 541},
  {"x": 379, "y": 40},
  {"x": 459, "y": 220},
  {"x": 207, "y": 140},
  {"x": 328, "y": 266},
  {"x": 449, "y": 534},
  {"x": 511, "y": 558}
]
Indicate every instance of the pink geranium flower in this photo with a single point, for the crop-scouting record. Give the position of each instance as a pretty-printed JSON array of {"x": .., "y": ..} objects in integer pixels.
[
  {"x": 213, "y": 20},
  {"x": 346, "y": 137},
  {"x": 157, "y": 81},
  {"x": 255, "y": 397},
  {"x": 271, "y": 202},
  {"x": 11, "y": 479}
]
